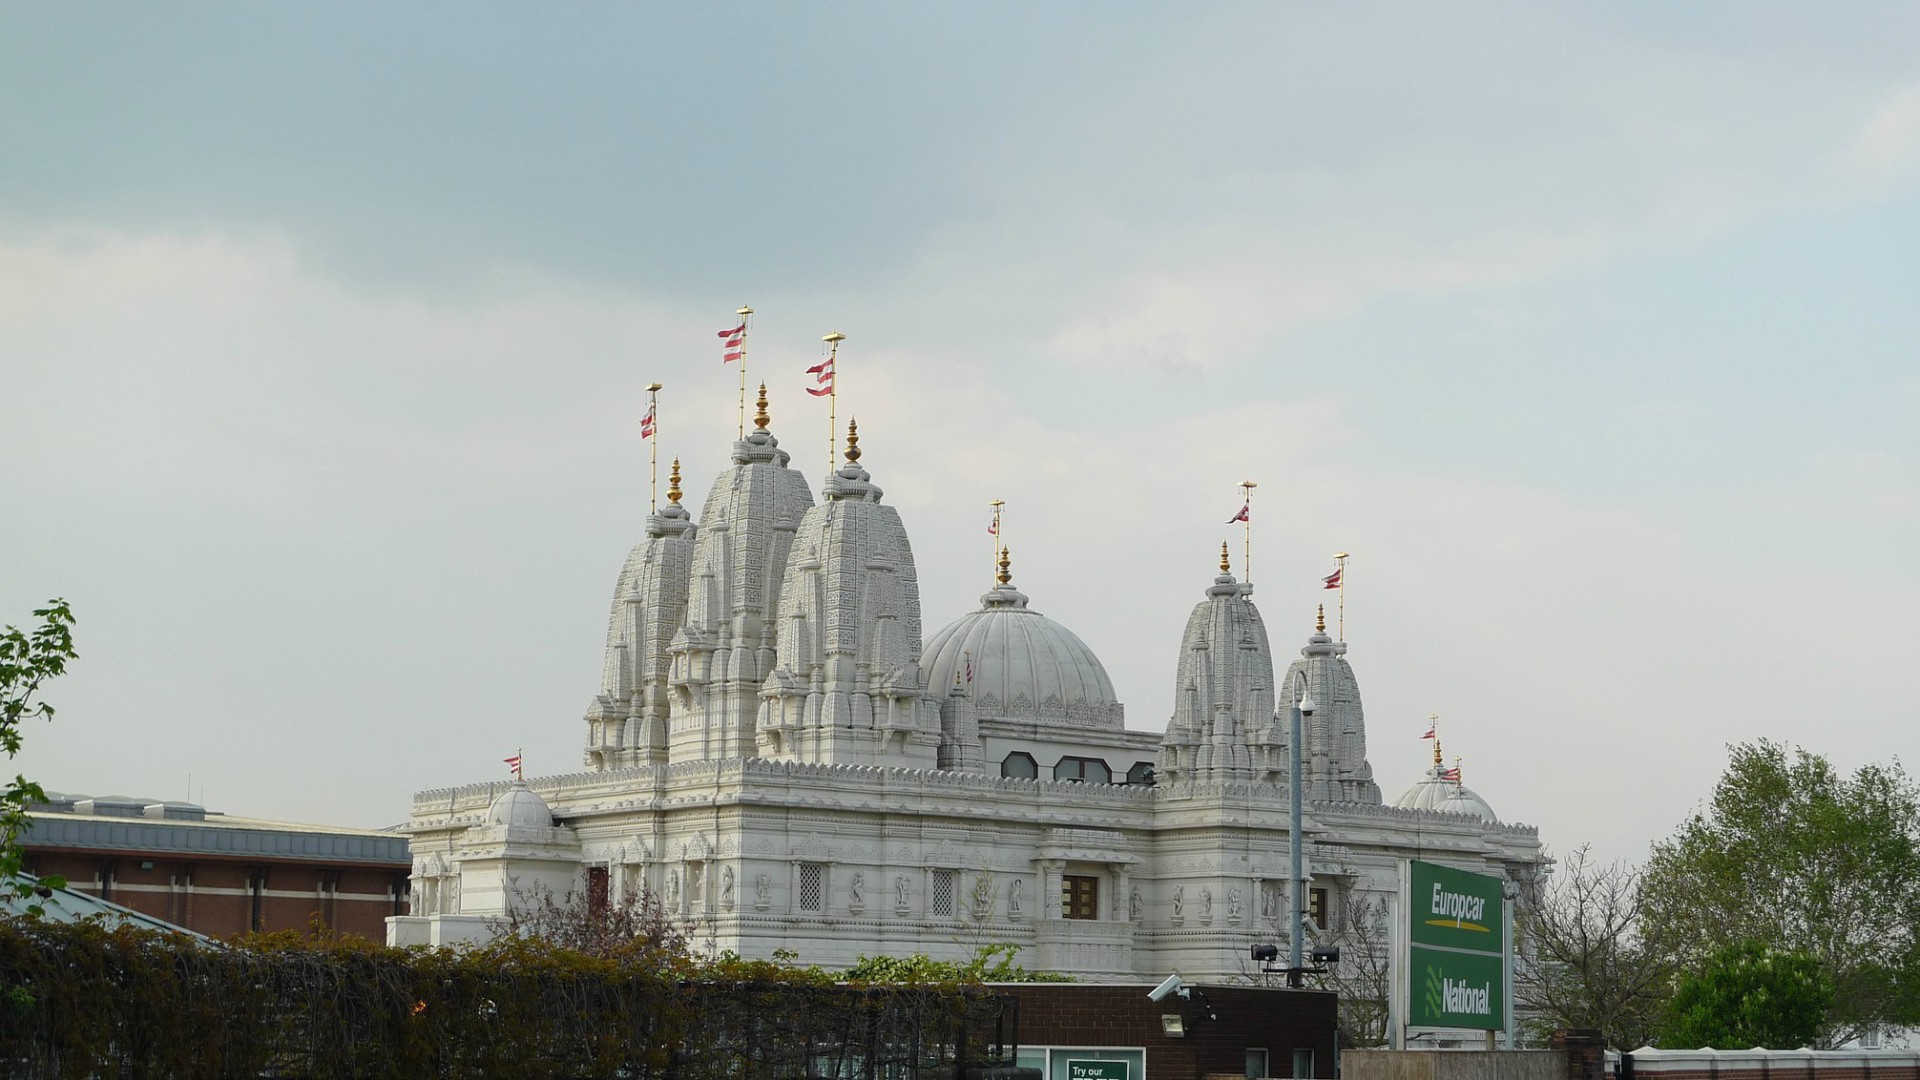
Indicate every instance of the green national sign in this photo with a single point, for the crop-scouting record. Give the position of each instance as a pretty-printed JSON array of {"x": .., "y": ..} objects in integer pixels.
[
  {"x": 1456, "y": 948},
  {"x": 1453, "y": 989},
  {"x": 1096, "y": 1070}
]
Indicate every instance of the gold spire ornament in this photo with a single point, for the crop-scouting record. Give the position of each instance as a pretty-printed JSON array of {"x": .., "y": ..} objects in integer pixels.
[
  {"x": 1320, "y": 620},
  {"x": 1226, "y": 567},
  {"x": 1005, "y": 576},
  {"x": 993, "y": 533},
  {"x": 673, "y": 483},
  {"x": 760, "y": 410},
  {"x": 853, "y": 441}
]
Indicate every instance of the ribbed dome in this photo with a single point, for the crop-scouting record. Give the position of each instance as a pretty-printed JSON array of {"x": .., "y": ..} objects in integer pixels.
[
  {"x": 520, "y": 806},
  {"x": 1025, "y": 665},
  {"x": 1446, "y": 796}
]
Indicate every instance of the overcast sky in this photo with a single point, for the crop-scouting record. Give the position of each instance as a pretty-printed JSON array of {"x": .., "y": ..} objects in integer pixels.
[{"x": 1590, "y": 331}]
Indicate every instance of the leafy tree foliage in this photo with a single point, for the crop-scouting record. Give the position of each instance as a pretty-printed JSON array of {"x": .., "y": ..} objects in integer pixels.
[
  {"x": 1750, "y": 995},
  {"x": 1586, "y": 963},
  {"x": 990, "y": 964},
  {"x": 1792, "y": 854},
  {"x": 27, "y": 659}
]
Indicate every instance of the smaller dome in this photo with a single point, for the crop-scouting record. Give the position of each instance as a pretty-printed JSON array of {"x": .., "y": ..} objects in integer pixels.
[
  {"x": 1446, "y": 796},
  {"x": 520, "y": 806}
]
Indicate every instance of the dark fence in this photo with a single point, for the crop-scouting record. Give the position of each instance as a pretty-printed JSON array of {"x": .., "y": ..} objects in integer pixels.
[{"x": 80, "y": 1001}]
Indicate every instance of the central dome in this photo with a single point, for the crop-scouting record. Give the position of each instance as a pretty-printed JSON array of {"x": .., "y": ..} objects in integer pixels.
[
  {"x": 1024, "y": 665},
  {"x": 1436, "y": 792}
]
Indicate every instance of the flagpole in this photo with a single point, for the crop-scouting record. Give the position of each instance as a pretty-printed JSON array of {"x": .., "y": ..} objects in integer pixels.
[
  {"x": 1341, "y": 558},
  {"x": 653, "y": 448},
  {"x": 833, "y": 341},
  {"x": 744, "y": 312},
  {"x": 994, "y": 563},
  {"x": 1246, "y": 554}
]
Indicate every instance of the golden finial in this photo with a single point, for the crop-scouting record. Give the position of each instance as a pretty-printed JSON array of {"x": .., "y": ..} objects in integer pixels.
[
  {"x": 673, "y": 482},
  {"x": 1320, "y": 621},
  {"x": 760, "y": 409},
  {"x": 1005, "y": 575},
  {"x": 1225, "y": 565},
  {"x": 1436, "y": 751},
  {"x": 853, "y": 440}
]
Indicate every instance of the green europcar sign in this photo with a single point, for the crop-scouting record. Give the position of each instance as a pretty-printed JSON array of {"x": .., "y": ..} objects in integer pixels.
[
  {"x": 1456, "y": 948},
  {"x": 1453, "y": 909}
]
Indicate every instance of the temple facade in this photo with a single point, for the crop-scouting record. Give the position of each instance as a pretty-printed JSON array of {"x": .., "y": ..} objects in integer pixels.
[{"x": 781, "y": 759}]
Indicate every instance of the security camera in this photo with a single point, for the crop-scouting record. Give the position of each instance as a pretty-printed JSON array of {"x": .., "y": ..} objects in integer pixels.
[{"x": 1172, "y": 985}]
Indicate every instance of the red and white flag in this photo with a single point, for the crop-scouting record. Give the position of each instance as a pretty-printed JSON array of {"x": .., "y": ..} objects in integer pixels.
[
  {"x": 969, "y": 670},
  {"x": 1246, "y": 512},
  {"x": 823, "y": 374},
  {"x": 993, "y": 527},
  {"x": 513, "y": 763},
  {"x": 734, "y": 342},
  {"x": 1452, "y": 774},
  {"x": 1333, "y": 580},
  {"x": 646, "y": 424},
  {"x": 1431, "y": 733}
]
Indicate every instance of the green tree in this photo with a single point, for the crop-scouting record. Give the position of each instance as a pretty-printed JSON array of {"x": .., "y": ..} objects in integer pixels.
[
  {"x": 1585, "y": 961},
  {"x": 1794, "y": 855},
  {"x": 27, "y": 659},
  {"x": 1750, "y": 995}
]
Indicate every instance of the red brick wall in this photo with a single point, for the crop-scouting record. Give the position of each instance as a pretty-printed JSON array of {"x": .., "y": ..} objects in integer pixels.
[
  {"x": 1278, "y": 1020},
  {"x": 220, "y": 904}
]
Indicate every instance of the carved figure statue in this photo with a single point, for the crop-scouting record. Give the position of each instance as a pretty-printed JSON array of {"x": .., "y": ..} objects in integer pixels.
[
  {"x": 1014, "y": 891},
  {"x": 856, "y": 895},
  {"x": 726, "y": 888},
  {"x": 1206, "y": 904},
  {"x": 673, "y": 890},
  {"x": 762, "y": 890},
  {"x": 900, "y": 892},
  {"x": 983, "y": 893},
  {"x": 1133, "y": 904},
  {"x": 1179, "y": 901},
  {"x": 1233, "y": 903}
]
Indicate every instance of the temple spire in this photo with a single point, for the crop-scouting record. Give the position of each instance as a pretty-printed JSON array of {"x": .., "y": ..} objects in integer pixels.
[
  {"x": 1005, "y": 577},
  {"x": 1226, "y": 565},
  {"x": 760, "y": 418},
  {"x": 673, "y": 483}
]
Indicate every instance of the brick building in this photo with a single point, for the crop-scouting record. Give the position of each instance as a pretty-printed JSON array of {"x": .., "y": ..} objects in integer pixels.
[
  {"x": 217, "y": 874},
  {"x": 1111, "y": 1031}
]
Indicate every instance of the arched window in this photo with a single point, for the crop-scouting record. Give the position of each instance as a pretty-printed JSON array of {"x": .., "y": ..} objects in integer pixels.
[{"x": 1020, "y": 765}]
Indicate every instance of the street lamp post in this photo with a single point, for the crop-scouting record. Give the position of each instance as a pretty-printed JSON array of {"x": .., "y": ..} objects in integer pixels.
[{"x": 1297, "y": 932}]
